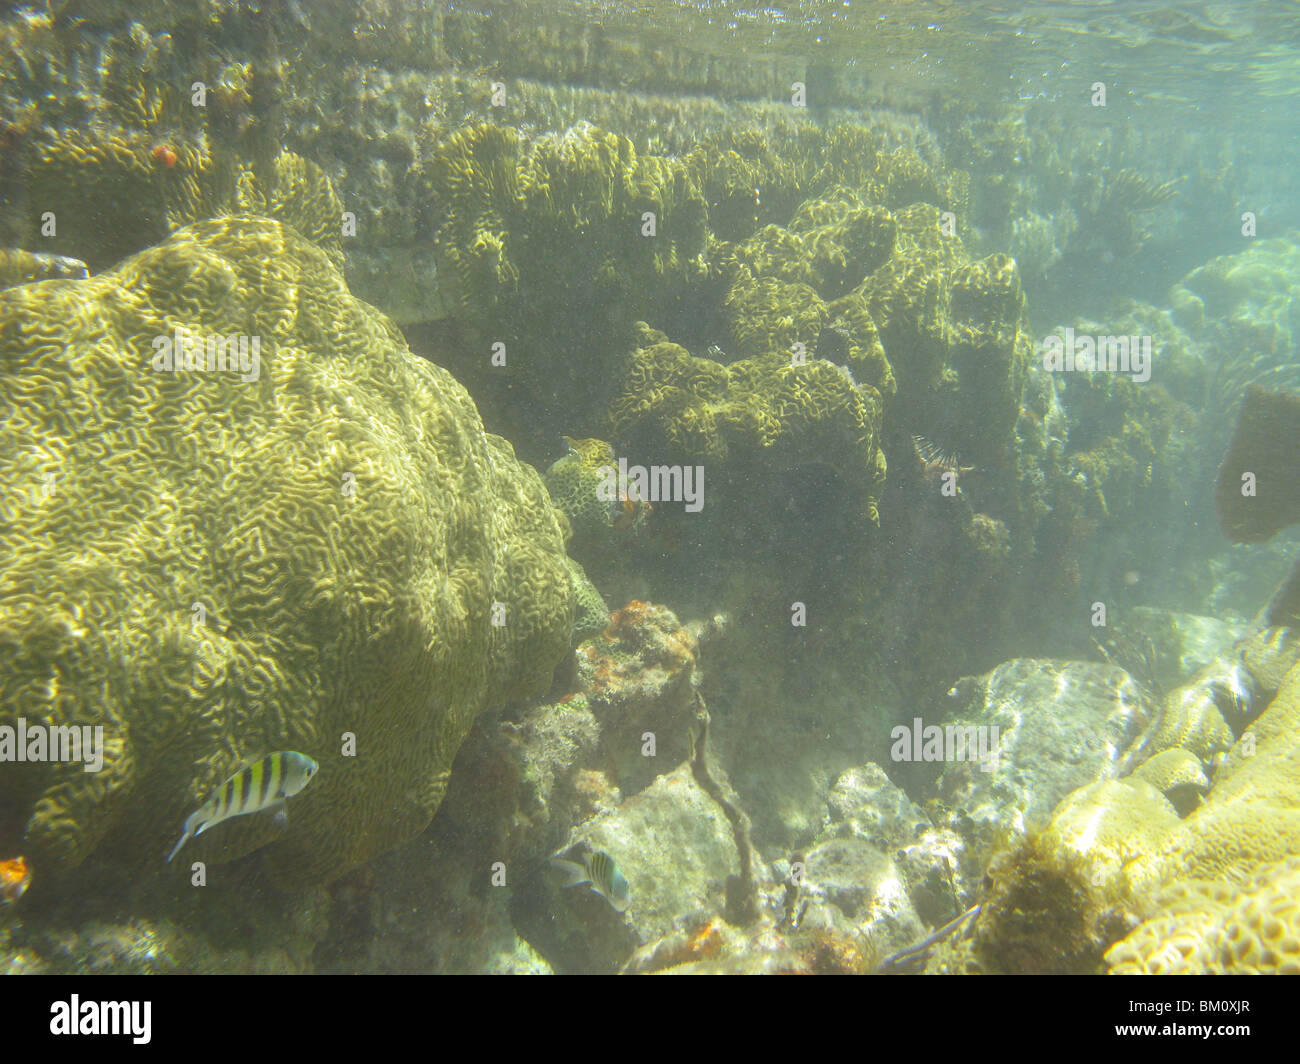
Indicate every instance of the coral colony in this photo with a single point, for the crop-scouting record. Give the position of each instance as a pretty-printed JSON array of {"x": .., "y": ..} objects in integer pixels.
[{"x": 362, "y": 607}]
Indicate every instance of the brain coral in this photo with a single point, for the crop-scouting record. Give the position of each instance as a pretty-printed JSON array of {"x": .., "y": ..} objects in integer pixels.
[
  {"x": 1220, "y": 928},
  {"x": 756, "y": 414},
  {"x": 214, "y": 565},
  {"x": 1252, "y": 814}
]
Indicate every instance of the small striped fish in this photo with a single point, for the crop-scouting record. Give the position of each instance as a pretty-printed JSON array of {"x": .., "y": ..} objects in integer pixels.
[
  {"x": 263, "y": 785},
  {"x": 601, "y": 872}
]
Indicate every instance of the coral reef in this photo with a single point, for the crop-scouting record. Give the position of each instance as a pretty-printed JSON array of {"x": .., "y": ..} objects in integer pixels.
[
  {"x": 1219, "y": 928},
  {"x": 749, "y": 419},
  {"x": 585, "y": 486},
  {"x": 1178, "y": 774},
  {"x": 879, "y": 868},
  {"x": 675, "y": 847},
  {"x": 112, "y": 197},
  {"x": 1129, "y": 843},
  {"x": 327, "y": 547},
  {"x": 503, "y": 209},
  {"x": 1163, "y": 649},
  {"x": 639, "y": 676},
  {"x": 220, "y": 930},
  {"x": 215, "y": 564},
  {"x": 1195, "y": 717},
  {"x": 590, "y": 614},
  {"x": 1096, "y": 217},
  {"x": 1252, "y": 813}
]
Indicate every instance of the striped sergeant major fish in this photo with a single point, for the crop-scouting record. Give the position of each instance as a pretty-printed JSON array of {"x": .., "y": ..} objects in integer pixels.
[
  {"x": 262, "y": 785},
  {"x": 599, "y": 870}
]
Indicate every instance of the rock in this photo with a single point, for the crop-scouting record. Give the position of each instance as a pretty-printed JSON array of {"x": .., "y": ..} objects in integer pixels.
[
  {"x": 676, "y": 849},
  {"x": 864, "y": 804},
  {"x": 850, "y": 881},
  {"x": 1168, "y": 646},
  {"x": 640, "y": 678},
  {"x": 1061, "y": 724}
]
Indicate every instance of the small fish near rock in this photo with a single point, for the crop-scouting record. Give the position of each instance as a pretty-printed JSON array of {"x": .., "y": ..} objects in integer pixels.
[
  {"x": 598, "y": 870},
  {"x": 264, "y": 784}
]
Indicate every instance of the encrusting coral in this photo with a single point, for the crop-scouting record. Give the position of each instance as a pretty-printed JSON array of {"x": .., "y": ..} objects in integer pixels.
[
  {"x": 585, "y": 486},
  {"x": 218, "y": 561}
]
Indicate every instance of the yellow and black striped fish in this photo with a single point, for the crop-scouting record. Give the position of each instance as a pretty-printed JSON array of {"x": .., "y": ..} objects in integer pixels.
[
  {"x": 263, "y": 785},
  {"x": 599, "y": 870}
]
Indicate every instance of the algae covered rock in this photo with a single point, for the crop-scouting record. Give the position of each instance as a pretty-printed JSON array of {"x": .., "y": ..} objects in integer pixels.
[
  {"x": 1255, "y": 493},
  {"x": 878, "y": 870},
  {"x": 311, "y": 545},
  {"x": 855, "y": 889},
  {"x": 1060, "y": 724}
]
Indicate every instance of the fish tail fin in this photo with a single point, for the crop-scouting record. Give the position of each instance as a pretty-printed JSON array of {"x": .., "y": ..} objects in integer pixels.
[
  {"x": 572, "y": 873},
  {"x": 188, "y": 833},
  {"x": 185, "y": 837}
]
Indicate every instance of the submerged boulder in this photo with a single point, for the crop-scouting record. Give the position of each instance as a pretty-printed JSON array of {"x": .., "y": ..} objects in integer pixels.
[{"x": 1052, "y": 726}]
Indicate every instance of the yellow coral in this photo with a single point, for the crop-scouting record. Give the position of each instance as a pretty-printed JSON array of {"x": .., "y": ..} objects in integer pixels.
[
  {"x": 1217, "y": 928},
  {"x": 760, "y": 411},
  {"x": 573, "y": 480},
  {"x": 215, "y": 564},
  {"x": 505, "y": 209},
  {"x": 1174, "y": 771},
  {"x": 1111, "y": 823}
]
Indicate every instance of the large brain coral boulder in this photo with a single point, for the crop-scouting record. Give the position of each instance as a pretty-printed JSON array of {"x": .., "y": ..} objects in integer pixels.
[{"x": 319, "y": 550}]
